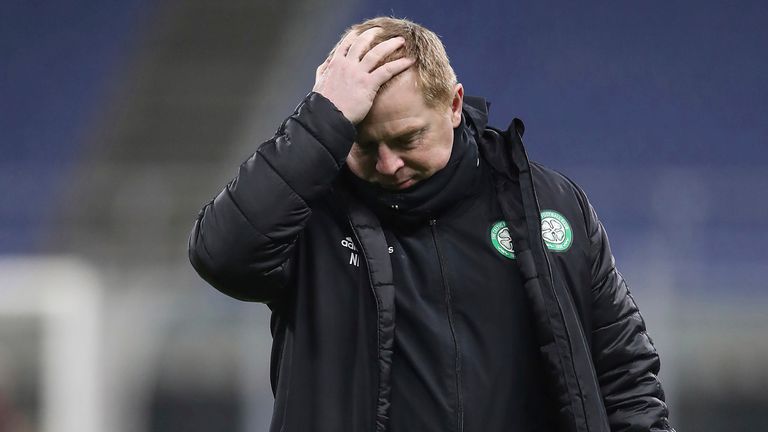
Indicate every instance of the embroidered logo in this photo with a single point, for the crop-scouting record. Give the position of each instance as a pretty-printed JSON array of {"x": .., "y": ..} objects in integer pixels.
[
  {"x": 501, "y": 239},
  {"x": 556, "y": 231},
  {"x": 354, "y": 257}
]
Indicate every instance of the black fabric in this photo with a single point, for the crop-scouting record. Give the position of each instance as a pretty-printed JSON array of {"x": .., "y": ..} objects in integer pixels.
[
  {"x": 285, "y": 233},
  {"x": 368, "y": 232},
  {"x": 477, "y": 368},
  {"x": 465, "y": 352},
  {"x": 239, "y": 244}
]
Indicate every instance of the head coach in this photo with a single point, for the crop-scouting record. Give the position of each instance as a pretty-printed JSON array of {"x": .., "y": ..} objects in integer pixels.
[{"x": 423, "y": 274}]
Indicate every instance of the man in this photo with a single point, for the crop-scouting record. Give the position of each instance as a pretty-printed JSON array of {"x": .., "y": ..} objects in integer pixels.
[{"x": 423, "y": 275}]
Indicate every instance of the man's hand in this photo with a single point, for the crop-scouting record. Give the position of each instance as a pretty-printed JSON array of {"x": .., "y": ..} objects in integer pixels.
[{"x": 351, "y": 80}]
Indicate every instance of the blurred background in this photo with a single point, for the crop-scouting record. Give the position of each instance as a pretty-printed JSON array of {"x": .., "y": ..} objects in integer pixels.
[{"x": 119, "y": 120}]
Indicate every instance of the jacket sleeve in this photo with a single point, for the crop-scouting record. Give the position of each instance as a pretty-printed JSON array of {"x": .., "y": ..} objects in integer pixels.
[
  {"x": 626, "y": 361},
  {"x": 242, "y": 240}
]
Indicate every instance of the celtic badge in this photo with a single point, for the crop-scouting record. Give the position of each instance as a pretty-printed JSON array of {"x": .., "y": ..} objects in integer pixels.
[
  {"x": 556, "y": 231},
  {"x": 501, "y": 239}
]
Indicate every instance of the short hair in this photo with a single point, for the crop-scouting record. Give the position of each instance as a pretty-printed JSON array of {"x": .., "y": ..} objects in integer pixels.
[{"x": 436, "y": 77}]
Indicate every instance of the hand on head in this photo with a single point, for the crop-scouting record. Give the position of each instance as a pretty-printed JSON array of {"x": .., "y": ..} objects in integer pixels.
[{"x": 350, "y": 78}]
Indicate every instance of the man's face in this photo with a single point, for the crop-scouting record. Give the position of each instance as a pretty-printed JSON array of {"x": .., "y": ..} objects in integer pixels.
[{"x": 403, "y": 141}]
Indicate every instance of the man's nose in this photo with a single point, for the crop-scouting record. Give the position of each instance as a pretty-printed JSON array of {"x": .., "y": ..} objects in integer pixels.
[{"x": 388, "y": 161}]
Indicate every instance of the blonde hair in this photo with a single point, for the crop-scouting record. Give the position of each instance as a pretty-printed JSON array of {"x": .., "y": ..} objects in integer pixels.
[{"x": 436, "y": 77}]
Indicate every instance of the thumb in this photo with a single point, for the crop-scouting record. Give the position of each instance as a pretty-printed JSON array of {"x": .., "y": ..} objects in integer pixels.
[{"x": 322, "y": 68}]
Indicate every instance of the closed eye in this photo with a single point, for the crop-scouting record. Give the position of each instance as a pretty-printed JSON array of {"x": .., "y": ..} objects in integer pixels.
[
  {"x": 405, "y": 141},
  {"x": 409, "y": 140}
]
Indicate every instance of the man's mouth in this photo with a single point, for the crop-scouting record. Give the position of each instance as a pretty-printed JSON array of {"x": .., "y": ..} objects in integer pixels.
[{"x": 400, "y": 185}]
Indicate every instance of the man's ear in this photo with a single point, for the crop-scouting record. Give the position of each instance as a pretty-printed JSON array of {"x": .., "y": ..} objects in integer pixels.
[{"x": 456, "y": 103}]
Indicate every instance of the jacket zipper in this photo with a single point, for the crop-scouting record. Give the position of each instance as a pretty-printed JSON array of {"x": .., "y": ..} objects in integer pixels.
[{"x": 452, "y": 325}]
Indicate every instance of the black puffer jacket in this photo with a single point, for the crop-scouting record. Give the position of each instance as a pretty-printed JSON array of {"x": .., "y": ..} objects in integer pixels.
[{"x": 287, "y": 233}]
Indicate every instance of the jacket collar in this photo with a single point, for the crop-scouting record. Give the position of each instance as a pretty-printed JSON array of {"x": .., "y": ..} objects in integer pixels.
[{"x": 476, "y": 110}]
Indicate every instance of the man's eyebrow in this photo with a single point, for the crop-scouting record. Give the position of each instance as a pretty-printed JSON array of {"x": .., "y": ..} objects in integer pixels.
[
  {"x": 401, "y": 136},
  {"x": 411, "y": 132}
]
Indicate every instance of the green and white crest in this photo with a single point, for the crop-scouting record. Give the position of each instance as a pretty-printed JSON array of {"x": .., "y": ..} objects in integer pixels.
[
  {"x": 556, "y": 231},
  {"x": 502, "y": 240}
]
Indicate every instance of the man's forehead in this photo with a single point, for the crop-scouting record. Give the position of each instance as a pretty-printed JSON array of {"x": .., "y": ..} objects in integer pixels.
[{"x": 402, "y": 89}]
